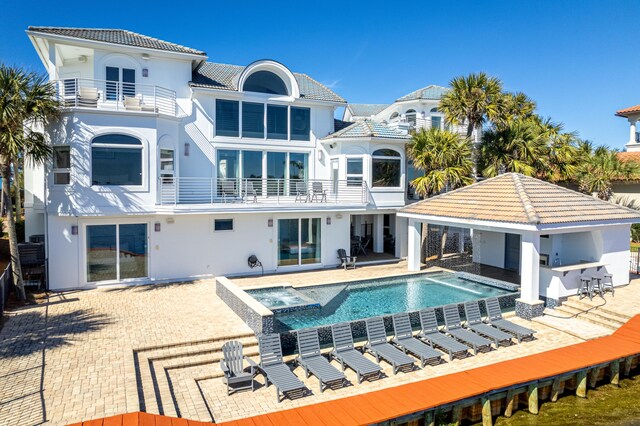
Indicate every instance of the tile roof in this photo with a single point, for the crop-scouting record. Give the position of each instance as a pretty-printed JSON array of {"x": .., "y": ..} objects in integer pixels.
[
  {"x": 115, "y": 36},
  {"x": 515, "y": 198},
  {"x": 430, "y": 92},
  {"x": 628, "y": 111},
  {"x": 367, "y": 128},
  {"x": 366, "y": 110},
  {"x": 224, "y": 77},
  {"x": 629, "y": 156}
]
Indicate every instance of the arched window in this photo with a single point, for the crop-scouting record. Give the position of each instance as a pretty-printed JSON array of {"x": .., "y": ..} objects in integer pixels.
[
  {"x": 434, "y": 109},
  {"x": 116, "y": 160},
  {"x": 411, "y": 116},
  {"x": 385, "y": 168},
  {"x": 265, "y": 82},
  {"x": 393, "y": 116}
]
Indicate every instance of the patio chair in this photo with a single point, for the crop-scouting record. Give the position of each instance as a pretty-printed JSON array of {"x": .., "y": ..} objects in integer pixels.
[
  {"x": 312, "y": 361},
  {"x": 453, "y": 327},
  {"x": 346, "y": 260},
  {"x": 345, "y": 353},
  {"x": 475, "y": 323},
  {"x": 431, "y": 334},
  {"x": 88, "y": 97},
  {"x": 318, "y": 192},
  {"x": 494, "y": 317},
  {"x": 607, "y": 284},
  {"x": 379, "y": 347},
  {"x": 249, "y": 191},
  {"x": 302, "y": 193},
  {"x": 228, "y": 188},
  {"x": 232, "y": 366},
  {"x": 274, "y": 369},
  {"x": 132, "y": 103},
  {"x": 403, "y": 338}
]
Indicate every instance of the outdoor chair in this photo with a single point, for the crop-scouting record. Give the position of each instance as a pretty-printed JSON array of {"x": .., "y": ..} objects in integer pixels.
[
  {"x": 584, "y": 287},
  {"x": 318, "y": 193},
  {"x": 132, "y": 103},
  {"x": 312, "y": 361},
  {"x": 494, "y": 317},
  {"x": 379, "y": 347},
  {"x": 302, "y": 193},
  {"x": 88, "y": 97},
  {"x": 607, "y": 284},
  {"x": 347, "y": 261},
  {"x": 228, "y": 188},
  {"x": 453, "y": 327},
  {"x": 232, "y": 366},
  {"x": 249, "y": 191},
  {"x": 274, "y": 369},
  {"x": 403, "y": 338},
  {"x": 431, "y": 334},
  {"x": 475, "y": 323},
  {"x": 345, "y": 353}
]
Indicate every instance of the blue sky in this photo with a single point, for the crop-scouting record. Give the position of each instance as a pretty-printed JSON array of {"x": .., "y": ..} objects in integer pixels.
[{"x": 577, "y": 59}]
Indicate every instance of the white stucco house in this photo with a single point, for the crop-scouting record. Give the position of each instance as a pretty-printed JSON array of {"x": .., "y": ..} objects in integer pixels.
[{"x": 167, "y": 166}]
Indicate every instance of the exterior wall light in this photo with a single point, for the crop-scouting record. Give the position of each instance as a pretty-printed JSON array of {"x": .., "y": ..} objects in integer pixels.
[
  {"x": 145, "y": 72},
  {"x": 156, "y": 226},
  {"x": 74, "y": 229},
  {"x": 328, "y": 220},
  {"x": 186, "y": 149},
  {"x": 270, "y": 223}
]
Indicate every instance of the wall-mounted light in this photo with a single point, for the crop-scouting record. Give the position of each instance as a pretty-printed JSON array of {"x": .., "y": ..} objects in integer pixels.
[
  {"x": 82, "y": 58},
  {"x": 320, "y": 155},
  {"x": 145, "y": 72},
  {"x": 157, "y": 226},
  {"x": 328, "y": 220},
  {"x": 170, "y": 220},
  {"x": 270, "y": 223},
  {"x": 338, "y": 215},
  {"x": 74, "y": 229},
  {"x": 145, "y": 56},
  {"x": 186, "y": 149}
]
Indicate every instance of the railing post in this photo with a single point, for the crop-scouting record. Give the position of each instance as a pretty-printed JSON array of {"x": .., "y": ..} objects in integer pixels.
[
  {"x": 177, "y": 190},
  {"x": 212, "y": 190},
  {"x": 155, "y": 100}
]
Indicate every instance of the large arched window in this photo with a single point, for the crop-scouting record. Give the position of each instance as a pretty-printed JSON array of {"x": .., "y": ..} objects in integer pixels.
[
  {"x": 265, "y": 82},
  {"x": 385, "y": 168},
  {"x": 411, "y": 116},
  {"x": 434, "y": 109},
  {"x": 116, "y": 160}
]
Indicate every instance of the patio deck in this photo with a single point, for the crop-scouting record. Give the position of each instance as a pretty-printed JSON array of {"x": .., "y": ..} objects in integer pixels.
[{"x": 92, "y": 354}]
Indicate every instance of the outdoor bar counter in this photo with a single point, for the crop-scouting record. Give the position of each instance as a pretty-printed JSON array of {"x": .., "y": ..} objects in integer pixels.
[{"x": 557, "y": 282}]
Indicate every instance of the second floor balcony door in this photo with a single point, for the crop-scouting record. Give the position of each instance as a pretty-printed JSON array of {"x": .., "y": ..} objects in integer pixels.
[{"x": 121, "y": 82}]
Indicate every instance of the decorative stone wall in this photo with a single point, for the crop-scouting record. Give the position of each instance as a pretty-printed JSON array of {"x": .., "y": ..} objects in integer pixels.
[{"x": 252, "y": 312}]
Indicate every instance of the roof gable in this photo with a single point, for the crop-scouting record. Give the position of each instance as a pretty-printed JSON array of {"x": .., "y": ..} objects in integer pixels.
[
  {"x": 116, "y": 36},
  {"x": 366, "y": 110},
  {"x": 366, "y": 128},
  {"x": 515, "y": 198},
  {"x": 432, "y": 91}
]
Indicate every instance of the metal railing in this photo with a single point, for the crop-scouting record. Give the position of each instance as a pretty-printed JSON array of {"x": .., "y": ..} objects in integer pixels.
[
  {"x": 115, "y": 95},
  {"x": 190, "y": 190},
  {"x": 634, "y": 260}
]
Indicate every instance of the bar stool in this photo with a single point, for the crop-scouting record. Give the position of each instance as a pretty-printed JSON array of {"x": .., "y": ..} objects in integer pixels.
[
  {"x": 596, "y": 285},
  {"x": 607, "y": 284},
  {"x": 585, "y": 287}
]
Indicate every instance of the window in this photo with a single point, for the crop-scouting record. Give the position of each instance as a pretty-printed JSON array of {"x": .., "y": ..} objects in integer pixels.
[
  {"x": 223, "y": 225},
  {"x": 411, "y": 116},
  {"x": 300, "y": 124},
  {"x": 393, "y": 116},
  {"x": 252, "y": 120},
  {"x": 227, "y": 118},
  {"x": 228, "y": 163},
  {"x": 116, "y": 160},
  {"x": 61, "y": 165},
  {"x": 354, "y": 171},
  {"x": 116, "y": 252},
  {"x": 276, "y": 122},
  {"x": 276, "y": 169},
  {"x": 121, "y": 82},
  {"x": 299, "y": 241},
  {"x": 386, "y": 168},
  {"x": 434, "y": 109},
  {"x": 436, "y": 121},
  {"x": 265, "y": 82}
]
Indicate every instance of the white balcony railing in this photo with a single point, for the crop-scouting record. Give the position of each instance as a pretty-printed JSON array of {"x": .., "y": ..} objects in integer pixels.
[
  {"x": 189, "y": 190},
  {"x": 114, "y": 95}
]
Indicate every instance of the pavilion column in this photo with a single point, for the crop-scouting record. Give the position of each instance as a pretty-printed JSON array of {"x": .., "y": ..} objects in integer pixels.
[
  {"x": 378, "y": 233},
  {"x": 632, "y": 130},
  {"x": 414, "y": 245},
  {"x": 529, "y": 304}
]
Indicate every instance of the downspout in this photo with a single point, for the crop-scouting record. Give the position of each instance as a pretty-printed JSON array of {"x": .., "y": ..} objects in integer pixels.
[{"x": 46, "y": 232}]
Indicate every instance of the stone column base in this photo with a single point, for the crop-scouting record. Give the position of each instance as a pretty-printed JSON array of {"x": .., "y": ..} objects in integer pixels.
[{"x": 529, "y": 310}]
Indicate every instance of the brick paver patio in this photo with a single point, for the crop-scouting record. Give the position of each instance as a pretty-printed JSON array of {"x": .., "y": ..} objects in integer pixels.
[{"x": 90, "y": 354}]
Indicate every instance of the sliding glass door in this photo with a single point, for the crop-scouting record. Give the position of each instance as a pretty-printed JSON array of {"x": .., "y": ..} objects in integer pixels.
[
  {"x": 116, "y": 252},
  {"x": 299, "y": 241}
]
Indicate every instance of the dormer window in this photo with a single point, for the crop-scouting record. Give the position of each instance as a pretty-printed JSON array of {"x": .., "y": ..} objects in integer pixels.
[{"x": 265, "y": 82}]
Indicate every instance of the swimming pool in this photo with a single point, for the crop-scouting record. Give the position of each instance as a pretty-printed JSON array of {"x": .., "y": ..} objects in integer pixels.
[{"x": 384, "y": 296}]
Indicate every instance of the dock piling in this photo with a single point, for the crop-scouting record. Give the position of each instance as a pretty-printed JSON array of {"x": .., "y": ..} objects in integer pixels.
[
  {"x": 581, "y": 378},
  {"x": 532, "y": 395}
]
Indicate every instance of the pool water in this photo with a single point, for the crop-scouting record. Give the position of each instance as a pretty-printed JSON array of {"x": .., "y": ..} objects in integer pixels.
[
  {"x": 383, "y": 296},
  {"x": 278, "y": 297}
]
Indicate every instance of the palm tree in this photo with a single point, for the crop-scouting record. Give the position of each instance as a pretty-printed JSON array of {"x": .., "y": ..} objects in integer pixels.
[
  {"x": 514, "y": 106},
  {"x": 473, "y": 100},
  {"x": 27, "y": 102},
  {"x": 446, "y": 160},
  {"x": 598, "y": 170}
]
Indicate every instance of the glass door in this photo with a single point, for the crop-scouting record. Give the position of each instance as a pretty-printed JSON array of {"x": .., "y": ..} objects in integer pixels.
[
  {"x": 299, "y": 241},
  {"x": 132, "y": 251},
  {"x": 116, "y": 252},
  {"x": 276, "y": 169}
]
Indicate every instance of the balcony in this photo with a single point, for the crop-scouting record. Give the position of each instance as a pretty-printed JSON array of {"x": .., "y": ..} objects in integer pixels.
[
  {"x": 256, "y": 193},
  {"x": 115, "y": 96}
]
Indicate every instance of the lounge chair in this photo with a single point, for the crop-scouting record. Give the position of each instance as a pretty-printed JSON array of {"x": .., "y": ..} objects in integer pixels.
[
  {"x": 345, "y": 353},
  {"x": 312, "y": 361},
  {"x": 474, "y": 322},
  {"x": 232, "y": 365},
  {"x": 494, "y": 317},
  {"x": 302, "y": 193},
  {"x": 88, "y": 97},
  {"x": 274, "y": 369},
  {"x": 131, "y": 103},
  {"x": 318, "y": 193},
  {"x": 379, "y": 347},
  {"x": 403, "y": 338},
  {"x": 431, "y": 334},
  {"x": 453, "y": 327},
  {"x": 346, "y": 260}
]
